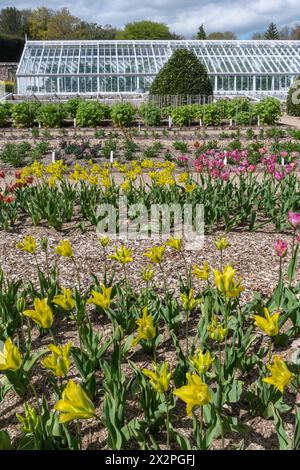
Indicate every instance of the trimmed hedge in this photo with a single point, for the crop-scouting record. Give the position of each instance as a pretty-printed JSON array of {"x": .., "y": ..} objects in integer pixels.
[
  {"x": 11, "y": 48},
  {"x": 183, "y": 74},
  {"x": 293, "y": 109}
]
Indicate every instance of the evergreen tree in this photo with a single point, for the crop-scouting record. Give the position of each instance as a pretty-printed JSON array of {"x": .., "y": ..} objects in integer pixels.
[
  {"x": 183, "y": 74},
  {"x": 272, "y": 32},
  {"x": 201, "y": 34}
]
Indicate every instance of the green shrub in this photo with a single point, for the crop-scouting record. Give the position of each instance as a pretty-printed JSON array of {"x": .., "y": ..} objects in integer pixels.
[
  {"x": 237, "y": 106},
  {"x": 244, "y": 118},
  {"x": 24, "y": 114},
  {"x": 51, "y": 114},
  {"x": 181, "y": 116},
  {"x": 150, "y": 113},
  {"x": 211, "y": 114},
  {"x": 123, "y": 114},
  {"x": 268, "y": 110},
  {"x": 71, "y": 107},
  {"x": 293, "y": 109},
  {"x": 183, "y": 74},
  {"x": 4, "y": 116},
  {"x": 181, "y": 146},
  {"x": 90, "y": 114}
]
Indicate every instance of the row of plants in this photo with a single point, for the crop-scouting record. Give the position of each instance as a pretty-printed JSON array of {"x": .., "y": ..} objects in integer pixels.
[
  {"x": 124, "y": 115},
  {"x": 229, "y": 371},
  {"x": 56, "y": 192}
]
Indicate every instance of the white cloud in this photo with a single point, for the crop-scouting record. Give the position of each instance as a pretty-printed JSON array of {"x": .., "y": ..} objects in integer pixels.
[{"x": 182, "y": 16}]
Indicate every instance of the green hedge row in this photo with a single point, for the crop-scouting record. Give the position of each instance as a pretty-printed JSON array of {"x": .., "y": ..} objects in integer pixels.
[
  {"x": 93, "y": 113},
  {"x": 11, "y": 48}
]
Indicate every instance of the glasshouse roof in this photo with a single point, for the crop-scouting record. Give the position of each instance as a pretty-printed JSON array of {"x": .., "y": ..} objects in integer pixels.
[{"x": 113, "y": 59}]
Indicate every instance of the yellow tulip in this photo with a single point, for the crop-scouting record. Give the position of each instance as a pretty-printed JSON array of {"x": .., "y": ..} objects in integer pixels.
[
  {"x": 125, "y": 185},
  {"x": 10, "y": 358},
  {"x": 59, "y": 361},
  {"x": 75, "y": 404},
  {"x": 175, "y": 243},
  {"x": 104, "y": 241},
  {"x": 65, "y": 300},
  {"x": 269, "y": 324},
  {"x": 30, "y": 421},
  {"x": 216, "y": 330},
  {"x": 189, "y": 303},
  {"x": 160, "y": 377},
  {"x": 195, "y": 393},
  {"x": 280, "y": 377},
  {"x": 64, "y": 249},
  {"x": 122, "y": 255},
  {"x": 225, "y": 283},
  {"x": 28, "y": 245},
  {"x": 190, "y": 187},
  {"x": 221, "y": 244},
  {"x": 201, "y": 361},
  {"x": 146, "y": 329},
  {"x": 101, "y": 299},
  {"x": 155, "y": 254},
  {"x": 42, "y": 313},
  {"x": 202, "y": 273},
  {"x": 147, "y": 274}
]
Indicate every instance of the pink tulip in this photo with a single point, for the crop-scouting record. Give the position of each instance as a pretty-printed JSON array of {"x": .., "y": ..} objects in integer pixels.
[
  {"x": 281, "y": 248},
  {"x": 278, "y": 176},
  {"x": 283, "y": 154},
  {"x": 298, "y": 239},
  {"x": 251, "y": 168},
  {"x": 225, "y": 175},
  {"x": 294, "y": 219}
]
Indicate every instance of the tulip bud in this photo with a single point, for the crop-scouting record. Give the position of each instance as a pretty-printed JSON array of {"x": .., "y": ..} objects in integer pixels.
[
  {"x": 119, "y": 333},
  {"x": 21, "y": 304},
  {"x": 44, "y": 243}
]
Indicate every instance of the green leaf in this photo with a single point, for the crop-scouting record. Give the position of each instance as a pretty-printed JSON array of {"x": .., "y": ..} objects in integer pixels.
[{"x": 284, "y": 442}]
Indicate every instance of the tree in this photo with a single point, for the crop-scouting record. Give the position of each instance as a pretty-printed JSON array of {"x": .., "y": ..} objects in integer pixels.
[
  {"x": 219, "y": 35},
  {"x": 38, "y": 22},
  {"x": 94, "y": 31},
  {"x": 145, "y": 30},
  {"x": 272, "y": 32},
  {"x": 257, "y": 36},
  {"x": 292, "y": 107},
  {"x": 201, "y": 34},
  {"x": 14, "y": 21},
  {"x": 183, "y": 74},
  {"x": 62, "y": 25}
]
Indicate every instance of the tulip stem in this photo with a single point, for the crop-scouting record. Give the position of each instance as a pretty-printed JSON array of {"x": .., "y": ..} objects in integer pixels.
[
  {"x": 168, "y": 423},
  {"x": 187, "y": 335},
  {"x": 52, "y": 336},
  {"x": 77, "y": 272}
]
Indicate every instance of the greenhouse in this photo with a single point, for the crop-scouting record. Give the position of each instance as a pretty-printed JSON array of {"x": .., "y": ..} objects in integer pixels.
[{"x": 94, "y": 67}]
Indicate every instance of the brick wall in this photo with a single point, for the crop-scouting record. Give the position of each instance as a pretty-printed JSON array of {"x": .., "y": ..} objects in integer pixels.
[{"x": 8, "y": 70}]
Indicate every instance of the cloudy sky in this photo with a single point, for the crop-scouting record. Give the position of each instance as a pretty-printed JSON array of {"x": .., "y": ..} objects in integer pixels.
[{"x": 182, "y": 16}]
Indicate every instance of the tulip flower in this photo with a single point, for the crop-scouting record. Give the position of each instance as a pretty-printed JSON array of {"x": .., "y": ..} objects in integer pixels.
[
  {"x": 294, "y": 219},
  {"x": 155, "y": 254},
  {"x": 64, "y": 249},
  {"x": 146, "y": 329},
  {"x": 101, "y": 299},
  {"x": 195, "y": 393},
  {"x": 104, "y": 241},
  {"x": 75, "y": 404},
  {"x": 281, "y": 248},
  {"x": 221, "y": 244},
  {"x": 122, "y": 255},
  {"x": 30, "y": 421},
  {"x": 202, "y": 273},
  {"x": 175, "y": 243},
  {"x": 42, "y": 313},
  {"x": 65, "y": 300},
  {"x": 10, "y": 357},
  {"x": 225, "y": 283},
  {"x": 269, "y": 324},
  {"x": 189, "y": 303},
  {"x": 28, "y": 245},
  {"x": 201, "y": 361},
  {"x": 59, "y": 361},
  {"x": 160, "y": 377},
  {"x": 216, "y": 330},
  {"x": 147, "y": 274},
  {"x": 280, "y": 377}
]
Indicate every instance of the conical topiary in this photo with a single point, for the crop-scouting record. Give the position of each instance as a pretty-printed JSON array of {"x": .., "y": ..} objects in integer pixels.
[
  {"x": 183, "y": 74},
  {"x": 293, "y": 109}
]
